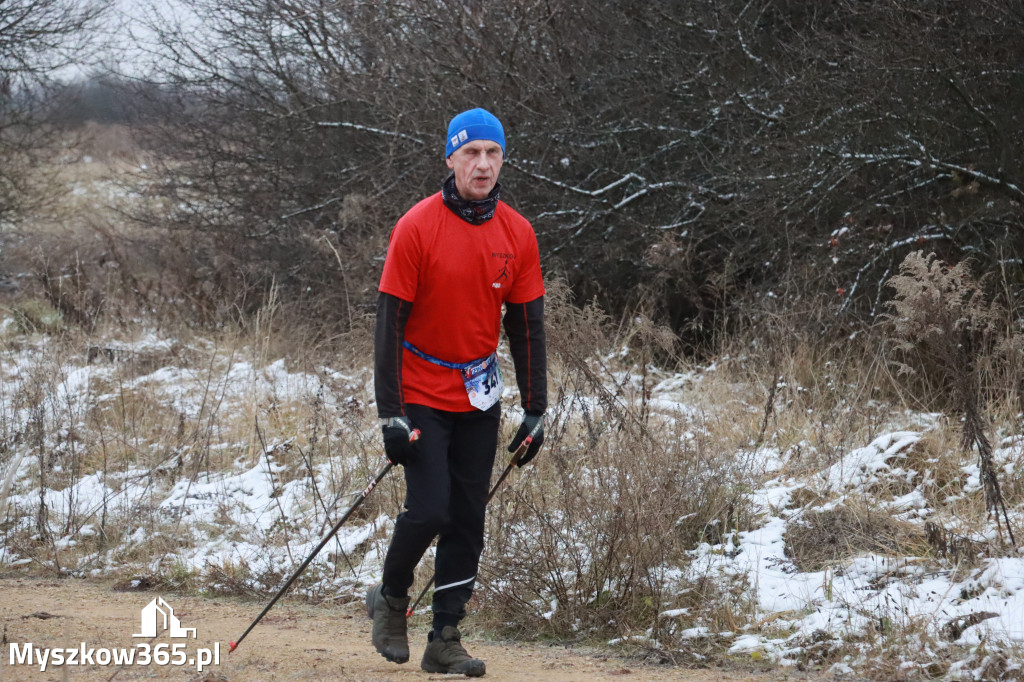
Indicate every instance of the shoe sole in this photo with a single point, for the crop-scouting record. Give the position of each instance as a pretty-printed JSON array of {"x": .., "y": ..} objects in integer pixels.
[{"x": 470, "y": 671}]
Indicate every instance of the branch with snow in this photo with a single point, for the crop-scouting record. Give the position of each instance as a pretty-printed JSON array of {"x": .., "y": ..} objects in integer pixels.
[
  {"x": 368, "y": 129},
  {"x": 935, "y": 163},
  {"x": 887, "y": 251}
]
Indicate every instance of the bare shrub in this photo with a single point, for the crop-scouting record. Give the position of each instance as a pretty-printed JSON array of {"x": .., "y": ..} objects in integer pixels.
[
  {"x": 815, "y": 394},
  {"x": 947, "y": 329},
  {"x": 955, "y": 547},
  {"x": 237, "y": 579},
  {"x": 584, "y": 543},
  {"x": 33, "y": 316},
  {"x": 70, "y": 292}
]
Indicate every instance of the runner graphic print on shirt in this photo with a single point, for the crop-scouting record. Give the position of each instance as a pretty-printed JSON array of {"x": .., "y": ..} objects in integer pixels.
[{"x": 502, "y": 278}]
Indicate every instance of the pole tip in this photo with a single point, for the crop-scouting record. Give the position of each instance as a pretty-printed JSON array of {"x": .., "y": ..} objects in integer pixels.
[{"x": 231, "y": 646}]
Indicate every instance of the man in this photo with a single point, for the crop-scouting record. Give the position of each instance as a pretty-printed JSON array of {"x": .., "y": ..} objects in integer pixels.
[{"x": 454, "y": 259}]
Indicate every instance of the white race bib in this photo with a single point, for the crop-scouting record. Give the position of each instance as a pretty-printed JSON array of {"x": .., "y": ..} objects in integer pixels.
[{"x": 483, "y": 382}]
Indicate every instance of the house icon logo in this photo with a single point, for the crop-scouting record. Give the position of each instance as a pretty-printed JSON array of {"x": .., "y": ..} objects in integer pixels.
[{"x": 158, "y": 615}]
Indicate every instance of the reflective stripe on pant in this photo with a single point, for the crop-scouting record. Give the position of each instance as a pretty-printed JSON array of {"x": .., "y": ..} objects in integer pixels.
[{"x": 446, "y": 497}]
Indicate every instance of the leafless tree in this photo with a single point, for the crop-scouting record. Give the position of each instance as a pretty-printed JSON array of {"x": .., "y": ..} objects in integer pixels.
[
  {"x": 686, "y": 155},
  {"x": 38, "y": 38}
]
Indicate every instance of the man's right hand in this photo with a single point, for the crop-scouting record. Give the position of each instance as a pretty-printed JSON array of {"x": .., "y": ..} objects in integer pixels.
[{"x": 399, "y": 439}]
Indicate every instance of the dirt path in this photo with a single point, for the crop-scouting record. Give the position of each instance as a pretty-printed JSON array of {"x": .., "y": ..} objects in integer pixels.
[{"x": 293, "y": 642}]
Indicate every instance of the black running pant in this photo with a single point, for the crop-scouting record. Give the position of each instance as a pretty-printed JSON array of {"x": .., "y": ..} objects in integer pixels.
[{"x": 446, "y": 497}]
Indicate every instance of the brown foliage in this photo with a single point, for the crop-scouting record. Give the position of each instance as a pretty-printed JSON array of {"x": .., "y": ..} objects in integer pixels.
[{"x": 946, "y": 325}]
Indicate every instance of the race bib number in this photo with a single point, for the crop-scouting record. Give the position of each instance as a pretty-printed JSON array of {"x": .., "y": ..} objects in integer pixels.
[{"x": 483, "y": 382}]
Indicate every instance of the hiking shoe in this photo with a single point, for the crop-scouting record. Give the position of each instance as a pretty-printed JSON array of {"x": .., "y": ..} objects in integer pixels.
[
  {"x": 445, "y": 654},
  {"x": 390, "y": 636}
]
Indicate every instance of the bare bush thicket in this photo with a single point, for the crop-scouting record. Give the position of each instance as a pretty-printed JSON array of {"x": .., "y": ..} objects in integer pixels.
[{"x": 751, "y": 146}]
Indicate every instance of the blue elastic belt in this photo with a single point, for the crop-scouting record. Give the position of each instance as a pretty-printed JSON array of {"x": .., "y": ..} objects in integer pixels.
[{"x": 438, "y": 361}]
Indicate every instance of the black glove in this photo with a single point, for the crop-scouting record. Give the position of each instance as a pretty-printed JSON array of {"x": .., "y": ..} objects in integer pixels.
[
  {"x": 533, "y": 426},
  {"x": 399, "y": 439}
]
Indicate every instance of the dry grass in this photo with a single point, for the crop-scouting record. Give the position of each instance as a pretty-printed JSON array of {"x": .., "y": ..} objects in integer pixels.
[
  {"x": 828, "y": 538},
  {"x": 580, "y": 546},
  {"x": 129, "y": 432}
]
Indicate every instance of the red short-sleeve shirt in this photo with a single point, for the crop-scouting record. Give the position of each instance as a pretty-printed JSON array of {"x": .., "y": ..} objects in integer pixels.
[{"x": 457, "y": 275}]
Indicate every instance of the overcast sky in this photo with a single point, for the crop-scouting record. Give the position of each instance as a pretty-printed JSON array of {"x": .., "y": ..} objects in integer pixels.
[{"x": 128, "y": 31}]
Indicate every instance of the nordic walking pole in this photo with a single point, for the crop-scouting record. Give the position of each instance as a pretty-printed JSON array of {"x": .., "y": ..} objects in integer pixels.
[
  {"x": 520, "y": 451},
  {"x": 359, "y": 500}
]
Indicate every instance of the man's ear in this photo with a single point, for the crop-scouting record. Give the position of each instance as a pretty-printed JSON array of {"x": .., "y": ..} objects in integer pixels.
[{"x": 451, "y": 164}]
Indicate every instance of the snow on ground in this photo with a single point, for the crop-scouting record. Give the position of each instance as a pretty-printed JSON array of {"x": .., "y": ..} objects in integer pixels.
[
  {"x": 870, "y": 591},
  {"x": 259, "y": 514}
]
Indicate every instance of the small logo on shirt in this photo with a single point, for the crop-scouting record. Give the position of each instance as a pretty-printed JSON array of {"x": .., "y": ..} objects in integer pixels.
[{"x": 503, "y": 274}]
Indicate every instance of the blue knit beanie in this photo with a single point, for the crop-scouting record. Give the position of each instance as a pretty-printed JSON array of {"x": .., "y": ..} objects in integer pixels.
[{"x": 475, "y": 124}]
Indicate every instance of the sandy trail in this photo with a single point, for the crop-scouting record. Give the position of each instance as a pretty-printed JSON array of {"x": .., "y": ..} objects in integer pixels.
[{"x": 293, "y": 642}]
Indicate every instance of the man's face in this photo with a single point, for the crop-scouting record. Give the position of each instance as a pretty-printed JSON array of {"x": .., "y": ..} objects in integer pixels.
[{"x": 476, "y": 165}]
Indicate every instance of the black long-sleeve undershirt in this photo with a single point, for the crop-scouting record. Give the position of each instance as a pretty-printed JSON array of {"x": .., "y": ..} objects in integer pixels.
[
  {"x": 524, "y": 326},
  {"x": 392, "y": 315}
]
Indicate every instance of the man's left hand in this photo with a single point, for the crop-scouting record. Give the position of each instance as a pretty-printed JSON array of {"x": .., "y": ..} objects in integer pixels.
[{"x": 532, "y": 427}]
